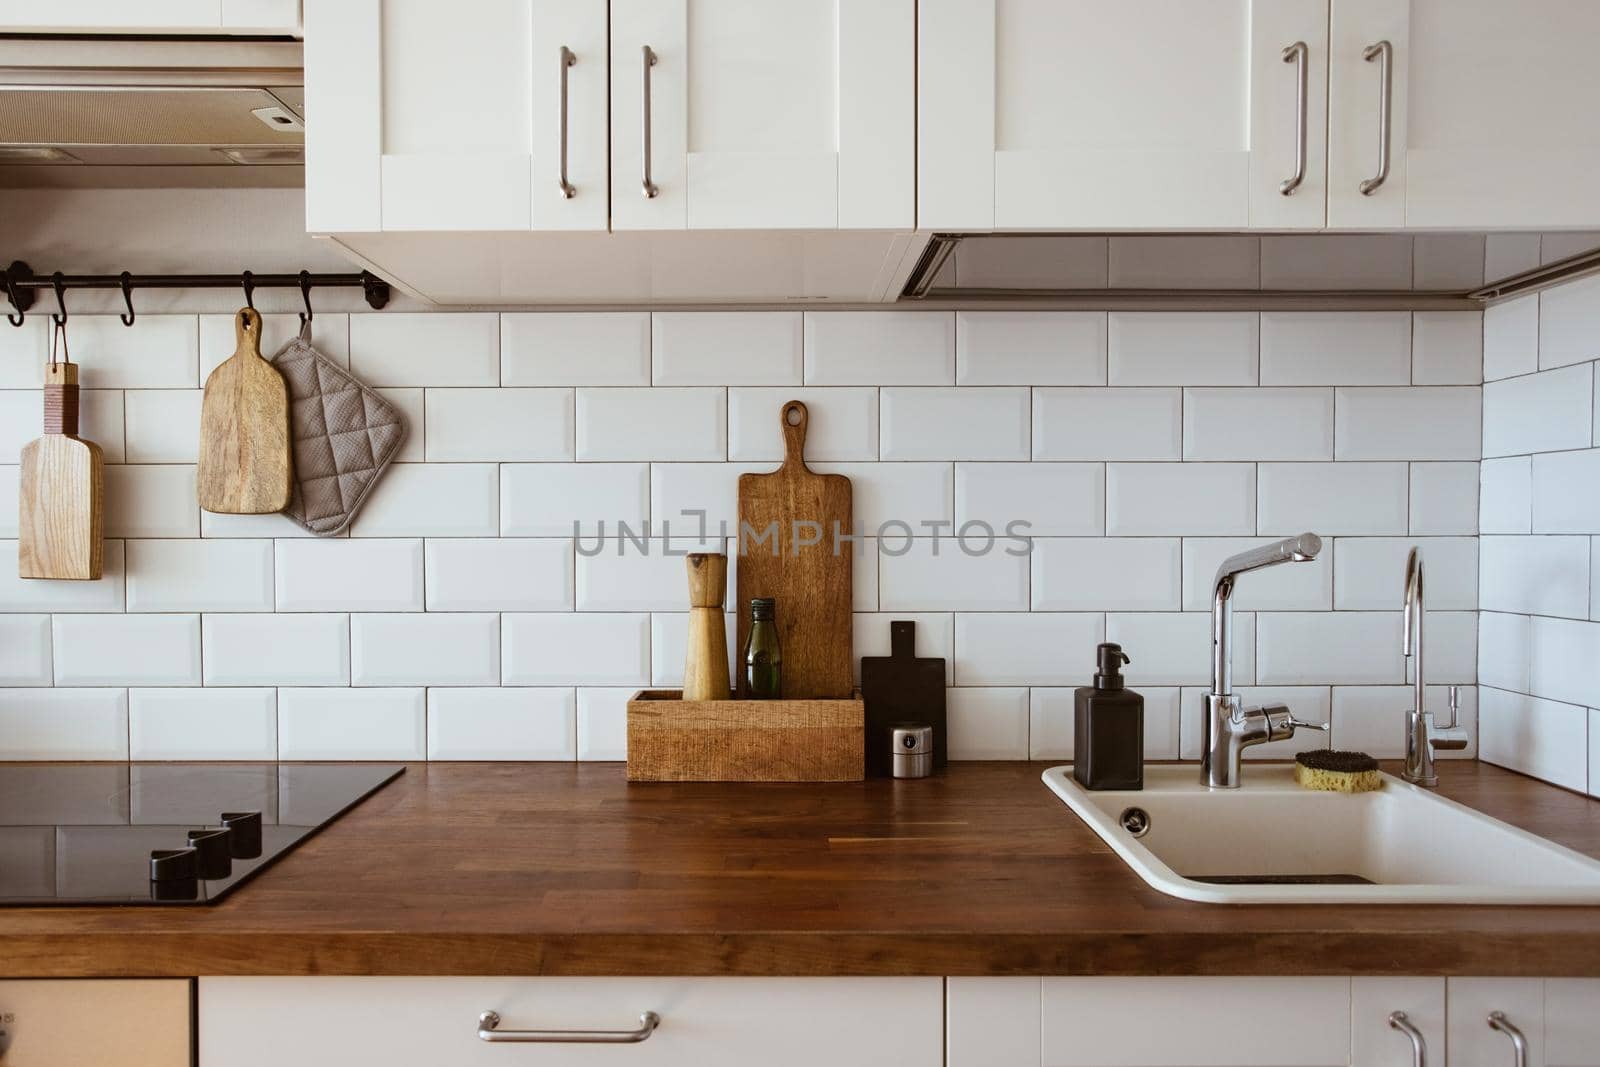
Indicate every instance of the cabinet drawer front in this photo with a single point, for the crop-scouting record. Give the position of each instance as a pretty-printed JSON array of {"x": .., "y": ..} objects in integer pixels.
[
  {"x": 1572, "y": 1022},
  {"x": 1195, "y": 1022},
  {"x": 705, "y": 1022},
  {"x": 132, "y": 1022},
  {"x": 1468, "y": 1003}
]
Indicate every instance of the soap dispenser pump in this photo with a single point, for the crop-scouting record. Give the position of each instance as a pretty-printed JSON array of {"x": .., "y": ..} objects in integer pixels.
[{"x": 1108, "y": 727}]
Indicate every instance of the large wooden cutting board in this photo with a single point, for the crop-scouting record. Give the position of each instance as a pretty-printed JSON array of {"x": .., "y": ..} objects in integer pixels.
[
  {"x": 809, "y": 581},
  {"x": 245, "y": 466}
]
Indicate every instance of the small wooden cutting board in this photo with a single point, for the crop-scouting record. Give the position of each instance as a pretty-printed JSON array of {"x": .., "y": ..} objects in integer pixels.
[
  {"x": 60, "y": 489},
  {"x": 245, "y": 466},
  {"x": 805, "y": 575},
  {"x": 901, "y": 687}
]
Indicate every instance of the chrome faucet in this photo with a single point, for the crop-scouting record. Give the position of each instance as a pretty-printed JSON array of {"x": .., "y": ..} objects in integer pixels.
[
  {"x": 1422, "y": 735},
  {"x": 1227, "y": 727}
]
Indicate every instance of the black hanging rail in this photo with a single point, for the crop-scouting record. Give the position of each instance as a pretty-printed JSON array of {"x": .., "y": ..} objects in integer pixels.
[{"x": 22, "y": 285}]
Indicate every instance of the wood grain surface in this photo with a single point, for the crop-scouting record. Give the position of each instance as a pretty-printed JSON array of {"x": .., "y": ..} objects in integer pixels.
[
  {"x": 705, "y": 661},
  {"x": 60, "y": 490},
  {"x": 675, "y": 740},
  {"x": 567, "y": 869},
  {"x": 245, "y": 465},
  {"x": 798, "y": 565}
]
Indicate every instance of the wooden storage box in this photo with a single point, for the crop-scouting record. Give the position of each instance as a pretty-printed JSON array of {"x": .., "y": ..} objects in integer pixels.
[{"x": 675, "y": 740}]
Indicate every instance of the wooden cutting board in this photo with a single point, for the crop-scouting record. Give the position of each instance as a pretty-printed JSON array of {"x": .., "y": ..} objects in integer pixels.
[
  {"x": 807, "y": 578},
  {"x": 59, "y": 491},
  {"x": 245, "y": 464},
  {"x": 901, "y": 687}
]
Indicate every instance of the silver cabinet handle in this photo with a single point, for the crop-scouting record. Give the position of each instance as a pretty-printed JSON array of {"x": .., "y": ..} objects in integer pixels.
[
  {"x": 568, "y": 190},
  {"x": 489, "y": 1023},
  {"x": 1298, "y": 54},
  {"x": 1383, "y": 52},
  {"x": 1419, "y": 1048},
  {"x": 650, "y": 189},
  {"x": 1519, "y": 1044}
]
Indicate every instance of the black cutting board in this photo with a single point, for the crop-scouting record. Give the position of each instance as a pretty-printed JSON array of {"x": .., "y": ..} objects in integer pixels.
[{"x": 901, "y": 687}]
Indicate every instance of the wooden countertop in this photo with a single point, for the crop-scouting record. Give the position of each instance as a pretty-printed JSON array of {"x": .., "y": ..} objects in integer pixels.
[{"x": 565, "y": 869}]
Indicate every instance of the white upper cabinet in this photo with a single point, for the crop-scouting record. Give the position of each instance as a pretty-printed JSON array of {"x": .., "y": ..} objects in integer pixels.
[
  {"x": 493, "y": 115},
  {"x": 763, "y": 114},
  {"x": 475, "y": 115},
  {"x": 241, "y": 17},
  {"x": 1155, "y": 114},
  {"x": 1491, "y": 114}
]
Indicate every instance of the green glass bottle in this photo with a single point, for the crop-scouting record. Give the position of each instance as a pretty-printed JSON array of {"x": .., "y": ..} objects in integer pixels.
[{"x": 763, "y": 659}]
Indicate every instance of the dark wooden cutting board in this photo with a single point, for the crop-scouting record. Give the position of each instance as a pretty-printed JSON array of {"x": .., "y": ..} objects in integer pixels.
[
  {"x": 810, "y": 582},
  {"x": 901, "y": 687}
]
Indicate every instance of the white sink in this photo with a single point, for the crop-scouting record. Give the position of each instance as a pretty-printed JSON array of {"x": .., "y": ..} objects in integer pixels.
[{"x": 1409, "y": 845}]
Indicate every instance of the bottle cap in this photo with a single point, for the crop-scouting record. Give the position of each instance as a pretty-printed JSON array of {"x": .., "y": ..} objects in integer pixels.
[
  {"x": 1109, "y": 659},
  {"x": 761, "y": 607}
]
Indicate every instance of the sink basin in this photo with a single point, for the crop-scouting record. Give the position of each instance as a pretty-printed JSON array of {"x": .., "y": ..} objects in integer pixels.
[{"x": 1274, "y": 842}]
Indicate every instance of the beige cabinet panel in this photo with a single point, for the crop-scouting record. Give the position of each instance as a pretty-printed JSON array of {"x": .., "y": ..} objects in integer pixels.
[{"x": 129, "y": 1022}]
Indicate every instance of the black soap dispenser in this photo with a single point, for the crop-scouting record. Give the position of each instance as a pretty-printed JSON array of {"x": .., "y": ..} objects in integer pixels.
[{"x": 1108, "y": 731}]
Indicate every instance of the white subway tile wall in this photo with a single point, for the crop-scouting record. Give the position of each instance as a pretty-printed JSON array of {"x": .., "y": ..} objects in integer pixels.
[
  {"x": 1539, "y": 549},
  {"x": 457, "y": 619}
]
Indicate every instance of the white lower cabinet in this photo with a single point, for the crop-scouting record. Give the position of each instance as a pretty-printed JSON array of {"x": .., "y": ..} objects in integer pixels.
[
  {"x": 1558, "y": 1019},
  {"x": 1572, "y": 1022},
  {"x": 1191, "y": 1022},
  {"x": 705, "y": 1022},
  {"x": 1473, "y": 1043}
]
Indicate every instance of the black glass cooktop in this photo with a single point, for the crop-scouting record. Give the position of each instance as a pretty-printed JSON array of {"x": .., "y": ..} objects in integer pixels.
[{"x": 162, "y": 833}]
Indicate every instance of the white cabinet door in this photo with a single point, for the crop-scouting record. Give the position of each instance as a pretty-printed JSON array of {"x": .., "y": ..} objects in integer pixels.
[
  {"x": 1491, "y": 114},
  {"x": 1087, "y": 114},
  {"x": 991, "y": 1022},
  {"x": 1375, "y": 1042},
  {"x": 764, "y": 114},
  {"x": 422, "y": 116},
  {"x": 1472, "y": 1042},
  {"x": 1572, "y": 1022},
  {"x": 704, "y": 1022}
]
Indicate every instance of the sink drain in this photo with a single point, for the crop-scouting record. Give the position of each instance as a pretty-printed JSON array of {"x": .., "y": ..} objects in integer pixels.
[{"x": 1135, "y": 820}]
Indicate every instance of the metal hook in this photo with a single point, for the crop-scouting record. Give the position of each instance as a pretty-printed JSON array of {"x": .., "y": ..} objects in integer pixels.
[
  {"x": 11, "y": 295},
  {"x": 58, "y": 283},
  {"x": 58, "y": 336},
  {"x": 127, "y": 298},
  {"x": 305, "y": 295},
  {"x": 248, "y": 280}
]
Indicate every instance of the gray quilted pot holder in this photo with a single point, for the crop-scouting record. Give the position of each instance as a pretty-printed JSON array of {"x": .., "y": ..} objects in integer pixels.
[{"x": 344, "y": 436}]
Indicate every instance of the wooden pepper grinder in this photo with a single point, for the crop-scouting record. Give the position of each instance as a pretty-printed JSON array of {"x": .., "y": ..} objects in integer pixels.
[
  {"x": 61, "y": 484},
  {"x": 705, "y": 669}
]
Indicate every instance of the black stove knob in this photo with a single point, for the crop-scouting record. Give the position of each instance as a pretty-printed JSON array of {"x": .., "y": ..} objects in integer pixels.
[
  {"x": 213, "y": 856},
  {"x": 177, "y": 889},
  {"x": 174, "y": 864},
  {"x": 245, "y": 826}
]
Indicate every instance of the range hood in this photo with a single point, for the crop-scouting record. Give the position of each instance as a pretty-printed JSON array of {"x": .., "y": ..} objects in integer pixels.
[
  {"x": 1218, "y": 271},
  {"x": 128, "y": 112}
]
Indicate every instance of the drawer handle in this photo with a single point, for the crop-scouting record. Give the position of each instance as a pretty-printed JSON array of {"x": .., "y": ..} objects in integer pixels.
[
  {"x": 489, "y": 1023},
  {"x": 1398, "y": 1020},
  {"x": 1383, "y": 51},
  {"x": 567, "y": 60},
  {"x": 650, "y": 189},
  {"x": 1297, "y": 54},
  {"x": 1519, "y": 1044}
]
